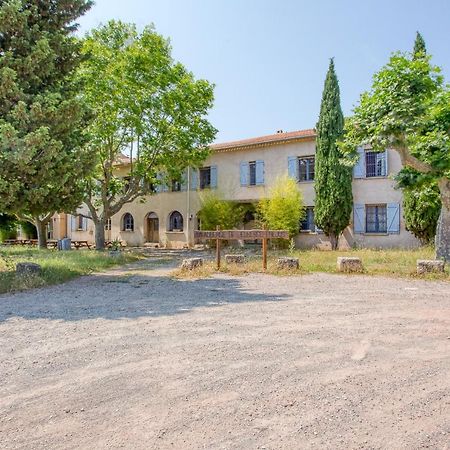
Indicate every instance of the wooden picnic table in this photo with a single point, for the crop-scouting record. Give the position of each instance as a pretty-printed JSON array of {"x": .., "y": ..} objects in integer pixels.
[
  {"x": 80, "y": 244},
  {"x": 109, "y": 244},
  {"x": 52, "y": 243}
]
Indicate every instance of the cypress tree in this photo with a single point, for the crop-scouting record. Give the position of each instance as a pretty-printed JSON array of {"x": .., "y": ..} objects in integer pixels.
[
  {"x": 333, "y": 179},
  {"x": 419, "y": 46}
]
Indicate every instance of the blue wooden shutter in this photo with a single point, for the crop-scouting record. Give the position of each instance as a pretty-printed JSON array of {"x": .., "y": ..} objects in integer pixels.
[
  {"x": 213, "y": 170},
  {"x": 359, "y": 171},
  {"x": 359, "y": 218},
  {"x": 244, "y": 173},
  {"x": 293, "y": 167},
  {"x": 73, "y": 223},
  {"x": 85, "y": 224},
  {"x": 158, "y": 187},
  {"x": 194, "y": 179},
  {"x": 393, "y": 218},
  {"x": 382, "y": 159},
  {"x": 259, "y": 172}
]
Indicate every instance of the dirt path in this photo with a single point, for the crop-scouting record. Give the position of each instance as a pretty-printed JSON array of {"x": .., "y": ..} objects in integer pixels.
[{"x": 134, "y": 359}]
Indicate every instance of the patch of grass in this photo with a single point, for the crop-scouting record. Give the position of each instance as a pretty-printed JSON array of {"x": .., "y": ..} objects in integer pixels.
[
  {"x": 387, "y": 262},
  {"x": 57, "y": 267}
]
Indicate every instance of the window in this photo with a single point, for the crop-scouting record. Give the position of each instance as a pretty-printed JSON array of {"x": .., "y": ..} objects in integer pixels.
[
  {"x": 176, "y": 186},
  {"x": 80, "y": 223},
  {"x": 128, "y": 222},
  {"x": 108, "y": 224},
  {"x": 205, "y": 178},
  {"x": 126, "y": 184},
  {"x": 50, "y": 229},
  {"x": 375, "y": 164},
  {"x": 307, "y": 224},
  {"x": 306, "y": 168},
  {"x": 376, "y": 219},
  {"x": 176, "y": 222},
  {"x": 252, "y": 173}
]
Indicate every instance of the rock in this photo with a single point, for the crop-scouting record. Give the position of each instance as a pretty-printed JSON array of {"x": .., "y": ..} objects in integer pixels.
[
  {"x": 191, "y": 263},
  {"x": 349, "y": 264},
  {"x": 27, "y": 268},
  {"x": 288, "y": 263},
  {"x": 430, "y": 266},
  {"x": 199, "y": 247},
  {"x": 235, "y": 259}
]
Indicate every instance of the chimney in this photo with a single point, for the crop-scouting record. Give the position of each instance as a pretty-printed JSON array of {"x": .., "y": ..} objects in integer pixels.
[{"x": 280, "y": 131}]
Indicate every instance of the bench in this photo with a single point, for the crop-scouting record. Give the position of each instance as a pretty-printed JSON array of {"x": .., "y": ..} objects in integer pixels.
[{"x": 80, "y": 244}]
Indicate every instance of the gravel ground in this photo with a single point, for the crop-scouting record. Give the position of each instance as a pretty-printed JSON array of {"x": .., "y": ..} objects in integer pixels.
[{"x": 134, "y": 359}]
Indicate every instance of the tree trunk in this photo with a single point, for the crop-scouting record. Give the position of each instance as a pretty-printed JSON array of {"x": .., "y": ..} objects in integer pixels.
[
  {"x": 41, "y": 227},
  {"x": 334, "y": 239},
  {"x": 443, "y": 226},
  {"x": 100, "y": 235}
]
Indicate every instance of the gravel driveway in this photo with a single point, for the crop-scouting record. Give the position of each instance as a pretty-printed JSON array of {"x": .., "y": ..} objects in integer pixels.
[{"x": 134, "y": 359}]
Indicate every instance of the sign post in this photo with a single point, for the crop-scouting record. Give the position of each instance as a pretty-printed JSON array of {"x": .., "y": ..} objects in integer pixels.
[{"x": 242, "y": 235}]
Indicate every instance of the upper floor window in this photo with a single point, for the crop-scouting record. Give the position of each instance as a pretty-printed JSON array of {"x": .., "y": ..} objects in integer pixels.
[
  {"x": 306, "y": 168},
  {"x": 128, "y": 222},
  {"x": 371, "y": 164},
  {"x": 205, "y": 177},
  {"x": 252, "y": 173},
  {"x": 176, "y": 186},
  {"x": 375, "y": 164}
]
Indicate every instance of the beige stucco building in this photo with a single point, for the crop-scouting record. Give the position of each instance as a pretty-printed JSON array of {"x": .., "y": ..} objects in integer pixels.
[{"x": 244, "y": 171}]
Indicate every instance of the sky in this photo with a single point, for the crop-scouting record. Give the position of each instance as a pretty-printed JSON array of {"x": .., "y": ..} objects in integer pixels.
[{"x": 268, "y": 59}]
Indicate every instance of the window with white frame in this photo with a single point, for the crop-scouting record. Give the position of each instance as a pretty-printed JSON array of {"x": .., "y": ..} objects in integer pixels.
[
  {"x": 375, "y": 164},
  {"x": 306, "y": 168},
  {"x": 108, "y": 225},
  {"x": 376, "y": 218},
  {"x": 127, "y": 222},
  {"x": 80, "y": 222}
]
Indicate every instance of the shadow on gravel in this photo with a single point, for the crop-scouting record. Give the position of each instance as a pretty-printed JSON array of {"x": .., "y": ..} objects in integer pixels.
[{"x": 126, "y": 296}]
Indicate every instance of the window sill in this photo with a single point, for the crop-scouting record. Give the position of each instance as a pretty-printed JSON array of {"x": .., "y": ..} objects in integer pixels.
[
  {"x": 381, "y": 177},
  {"x": 368, "y": 233},
  {"x": 175, "y": 232},
  {"x": 127, "y": 231},
  {"x": 305, "y": 181}
]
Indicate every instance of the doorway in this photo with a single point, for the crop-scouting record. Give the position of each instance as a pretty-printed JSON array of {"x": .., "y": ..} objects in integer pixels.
[{"x": 152, "y": 228}]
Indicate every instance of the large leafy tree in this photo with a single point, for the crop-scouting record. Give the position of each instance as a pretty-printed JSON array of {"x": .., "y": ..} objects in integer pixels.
[
  {"x": 333, "y": 179},
  {"x": 408, "y": 110},
  {"x": 146, "y": 106},
  {"x": 41, "y": 116}
]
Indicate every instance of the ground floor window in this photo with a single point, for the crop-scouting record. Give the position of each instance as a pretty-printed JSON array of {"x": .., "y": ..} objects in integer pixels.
[
  {"x": 108, "y": 225},
  {"x": 176, "y": 221},
  {"x": 128, "y": 222},
  {"x": 376, "y": 219},
  {"x": 307, "y": 224}
]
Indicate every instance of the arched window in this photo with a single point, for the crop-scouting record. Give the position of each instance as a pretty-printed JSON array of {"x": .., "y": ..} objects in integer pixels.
[
  {"x": 128, "y": 222},
  {"x": 175, "y": 221}
]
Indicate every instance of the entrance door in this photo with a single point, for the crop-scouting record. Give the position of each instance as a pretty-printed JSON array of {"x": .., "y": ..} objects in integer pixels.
[{"x": 153, "y": 229}]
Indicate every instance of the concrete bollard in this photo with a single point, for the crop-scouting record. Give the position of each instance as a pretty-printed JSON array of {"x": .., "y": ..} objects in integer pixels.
[
  {"x": 191, "y": 263},
  {"x": 430, "y": 266},
  {"x": 349, "y": 264},
  {"x": 288, "y": 263},
  {"x": 235, "y": 259}
]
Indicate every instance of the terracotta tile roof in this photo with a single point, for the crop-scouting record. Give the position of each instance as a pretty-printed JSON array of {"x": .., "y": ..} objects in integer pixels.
[
  {"x": 122, "y": 159},
  {"x": 262, "y": 140}
]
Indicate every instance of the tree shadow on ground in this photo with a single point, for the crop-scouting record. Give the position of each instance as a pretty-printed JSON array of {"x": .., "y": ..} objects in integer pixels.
[{"x": 127, "y": 296}]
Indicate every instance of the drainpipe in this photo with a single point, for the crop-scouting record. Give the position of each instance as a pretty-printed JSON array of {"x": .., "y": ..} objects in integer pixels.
[{"x": 188, "y": 214}]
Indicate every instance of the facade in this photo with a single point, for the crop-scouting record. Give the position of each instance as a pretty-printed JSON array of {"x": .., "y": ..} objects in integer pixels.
[{"x": 244, "y": 171}]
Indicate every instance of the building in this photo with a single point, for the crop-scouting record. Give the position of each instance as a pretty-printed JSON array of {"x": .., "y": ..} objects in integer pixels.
[{"x": 244, "y": 171}]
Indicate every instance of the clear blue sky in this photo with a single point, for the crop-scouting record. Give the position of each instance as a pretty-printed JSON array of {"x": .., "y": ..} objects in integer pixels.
[{"x": 268, "y": 59}]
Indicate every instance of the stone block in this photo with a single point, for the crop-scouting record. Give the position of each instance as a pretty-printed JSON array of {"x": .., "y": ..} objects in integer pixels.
[
  {"x": 235, "y": 259},
  {"x": 288, "y": 263},
  {"x": 430, "y": 266},
  {"x": 27, "y": 268},
  {"x": 191, "y": 263},
  {"x": 349, "y": 264}
]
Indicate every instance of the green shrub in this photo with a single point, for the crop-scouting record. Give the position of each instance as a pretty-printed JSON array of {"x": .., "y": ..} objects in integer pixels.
[
  {"x": 284, "y": 209},
  {"x": 216, "y": 211}
]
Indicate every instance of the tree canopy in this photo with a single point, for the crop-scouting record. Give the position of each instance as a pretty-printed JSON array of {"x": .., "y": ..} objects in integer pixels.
[
  {"x": 150, "y": 114},
  {"x": 408, "y": 110},
  {"x": 41, "y": 116}
]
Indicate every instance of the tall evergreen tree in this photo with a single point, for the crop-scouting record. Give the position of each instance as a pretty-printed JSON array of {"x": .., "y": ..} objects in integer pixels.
[
  {"x": 42, "y": 119},
  {"x": 419, "y": 46},
  {"x": 333, "y": 179}
]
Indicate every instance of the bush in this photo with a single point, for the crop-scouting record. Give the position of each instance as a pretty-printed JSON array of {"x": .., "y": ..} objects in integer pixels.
[
  {"x": 216, "y": 212},
  {"x": 284, "y": 209},
  {"x": 8, "y": 227}
]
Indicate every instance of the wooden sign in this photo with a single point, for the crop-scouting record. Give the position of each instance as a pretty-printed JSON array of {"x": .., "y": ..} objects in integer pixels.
[{"x": 242, "y": 235}]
